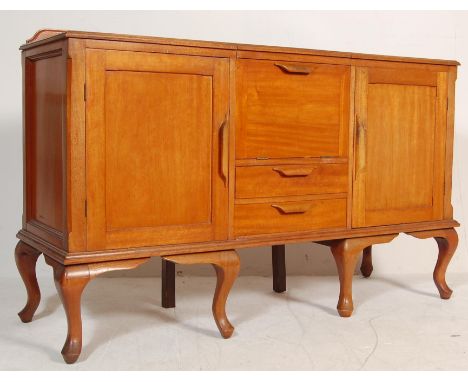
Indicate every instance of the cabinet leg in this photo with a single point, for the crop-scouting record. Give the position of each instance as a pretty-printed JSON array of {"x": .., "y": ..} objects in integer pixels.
[
  {"x": 278, "y": 257},
  {"x": 447, "y": 241},
  {"x": 167, "y": 284},
  {"x": 70, "y": 281},
  {"x": 226, "y": 265},
  {"x": 26, "y": 259},
  {"x": 366, "y": 265},
  {"x": 346, "y": 253}
]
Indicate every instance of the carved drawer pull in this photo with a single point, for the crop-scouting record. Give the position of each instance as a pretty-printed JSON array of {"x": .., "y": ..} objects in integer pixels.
[
  {"x": 290, "y": 172},
  {"x": 296, "y": 208},
  {"x": 294, "y": 69}
]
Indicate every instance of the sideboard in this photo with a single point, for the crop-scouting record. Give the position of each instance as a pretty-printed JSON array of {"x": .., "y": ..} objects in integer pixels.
[{"x": 138, "y": 146}]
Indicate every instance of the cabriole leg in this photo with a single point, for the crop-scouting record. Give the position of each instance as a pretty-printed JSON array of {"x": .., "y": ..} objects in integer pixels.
[
  {"x": 26, "y": 259},
  {"x": 226, "y": 265},
  {"x": 447, "y": 241},
  {"x": 70, "y": 281},
  {"x": 346, "y": 253}
]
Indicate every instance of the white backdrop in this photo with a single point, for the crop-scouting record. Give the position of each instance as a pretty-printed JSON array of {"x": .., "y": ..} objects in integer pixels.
[{"x": 418, "y": 34}]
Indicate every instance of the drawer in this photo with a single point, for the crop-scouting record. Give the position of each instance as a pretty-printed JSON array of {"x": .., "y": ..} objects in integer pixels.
[
  {"x": 291, "y": 109},
  {"x": 273, "y": 217},
  {"x": 290, "y": 180}
]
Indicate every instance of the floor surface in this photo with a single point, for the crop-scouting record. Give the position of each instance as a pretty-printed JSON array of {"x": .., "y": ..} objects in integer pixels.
[{"x": 399, "y": 323}]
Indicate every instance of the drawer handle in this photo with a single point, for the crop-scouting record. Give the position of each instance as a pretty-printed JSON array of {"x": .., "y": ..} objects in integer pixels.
[
  {"x": 292, "y": 208},
  {"x": 294, "y": 69},
  {"x": 290, "y": 172}
]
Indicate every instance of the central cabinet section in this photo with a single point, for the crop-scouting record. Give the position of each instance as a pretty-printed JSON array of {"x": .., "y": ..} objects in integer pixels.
[
  {"x": 153, "y": 127},
  {"x": 292, "y": 142}
]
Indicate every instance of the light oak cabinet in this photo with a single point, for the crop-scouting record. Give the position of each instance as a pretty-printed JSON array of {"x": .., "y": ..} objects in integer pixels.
[{"x": 136, "y": 147}]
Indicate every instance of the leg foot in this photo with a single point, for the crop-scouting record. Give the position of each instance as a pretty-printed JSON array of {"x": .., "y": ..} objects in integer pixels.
[
  {"x": 226, "y": 265},
  {"x": 26, "y": 258},
  {"x": 278, "y": 253},
  {"x": 447, "y": 241},
  {"x": 366, "y": 265},
  {"x": 168, "y": 284},
  {"x": 346, "y": 253}
]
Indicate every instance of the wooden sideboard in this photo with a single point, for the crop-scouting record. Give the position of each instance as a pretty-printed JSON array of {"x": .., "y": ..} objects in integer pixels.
[{"x": 137, "y": 147}]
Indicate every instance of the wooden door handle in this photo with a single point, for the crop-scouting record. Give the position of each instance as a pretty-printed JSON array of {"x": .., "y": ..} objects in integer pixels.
[
  {"x": 224, "y": 138},
  {"x": 292, "y": 208},
  {"x": 361, "y": 138},
  {"x": 296, "y": 171},
  {"x": 293, "y": 69}
]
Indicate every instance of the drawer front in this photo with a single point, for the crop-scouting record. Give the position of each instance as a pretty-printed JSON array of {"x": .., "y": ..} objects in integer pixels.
[
  {"x": 289, "y": 109},
  {"x": 274, "y": 217},
  {"x": 290, "y": 180}
]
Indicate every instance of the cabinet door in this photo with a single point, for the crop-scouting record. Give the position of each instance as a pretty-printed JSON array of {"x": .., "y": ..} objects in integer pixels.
[
  {"x": 401, "y": 118},
  {"x": 292, "y": 109},
  {"x": 155, "y": 157}
]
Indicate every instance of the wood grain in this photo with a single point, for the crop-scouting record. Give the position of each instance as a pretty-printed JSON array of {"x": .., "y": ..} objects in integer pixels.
[
  {"x": 44, "y": 129},
  {"x": 403, "y": 77},
  {"x": 262, "y": 218},
  {"x": 142, "y": 161},
  {"x": 171, "y": 191},
  {"x": 76, "y": 146},
  {"x": 192, "y": 50},
  {"x": 351, "y": 154},
  {"x": 287, "y": 161},
  {"x": 45, "y": 137},
  {"x": 451, "y": 79},
  {"x": 232, "y": 145},
  {"x": 283, "y": 115},
  {"x": 406, "y": 139}
]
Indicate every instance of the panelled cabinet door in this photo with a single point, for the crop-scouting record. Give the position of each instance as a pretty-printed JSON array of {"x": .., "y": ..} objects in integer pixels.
[
  {"x": 154, "y": 148},
  {"x": 401, "y": 119}
]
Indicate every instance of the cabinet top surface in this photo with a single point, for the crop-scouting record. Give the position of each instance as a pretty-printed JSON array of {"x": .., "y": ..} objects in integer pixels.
[{"x": 47, "y": 35}]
